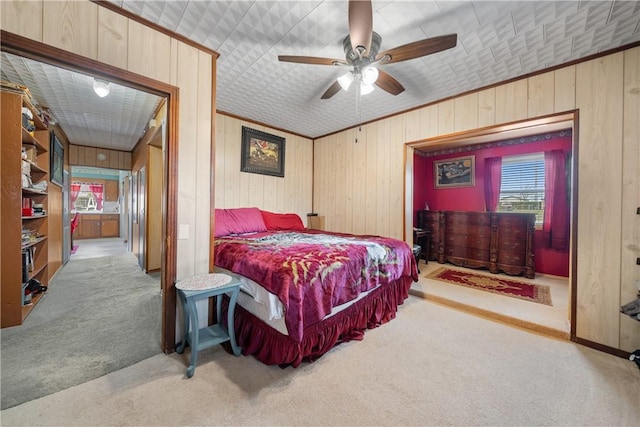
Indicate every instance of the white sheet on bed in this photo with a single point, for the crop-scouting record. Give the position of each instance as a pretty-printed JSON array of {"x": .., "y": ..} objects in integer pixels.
[{"x": 273, "y": 306}]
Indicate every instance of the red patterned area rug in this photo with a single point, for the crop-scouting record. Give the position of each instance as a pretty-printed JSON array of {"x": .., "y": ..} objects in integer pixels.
[{"x": 495, "y": 283}]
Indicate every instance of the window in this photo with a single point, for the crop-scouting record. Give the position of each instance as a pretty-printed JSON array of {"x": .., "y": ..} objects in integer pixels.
[
  {"x": 86, "y": 197},
  {"x": 522, "y": 185}
]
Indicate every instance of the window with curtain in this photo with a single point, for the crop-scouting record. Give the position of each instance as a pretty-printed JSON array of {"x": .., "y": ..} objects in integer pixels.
[
  {"x": 86, "y": 197},
  {"x": 522, "y": 185}
]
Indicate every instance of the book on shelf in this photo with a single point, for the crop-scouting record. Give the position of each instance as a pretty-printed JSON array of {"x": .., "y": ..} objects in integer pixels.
[{"x": 27, "y": 206}]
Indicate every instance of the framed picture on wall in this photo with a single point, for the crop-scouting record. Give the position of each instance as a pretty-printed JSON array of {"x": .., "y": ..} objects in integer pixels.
[
  {"x": 456, "y": 172},
  {"x": 56, "y": 160},
  {"x": 262, "y": 153}
]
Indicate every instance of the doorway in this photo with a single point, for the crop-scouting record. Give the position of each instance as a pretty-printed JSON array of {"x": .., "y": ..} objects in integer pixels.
[
  {"x": 558, "y": 320},
  {"x": 37, "y": 51}
]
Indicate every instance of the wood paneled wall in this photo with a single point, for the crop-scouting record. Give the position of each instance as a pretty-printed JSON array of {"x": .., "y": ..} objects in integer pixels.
[
  {"x": 233, "y": 189},
  {"x": 87, "y": 29},
  {"x": 80, "y": 155},
  {"x": 630, "y": 221},
  {"x": 359, "y": 186}
]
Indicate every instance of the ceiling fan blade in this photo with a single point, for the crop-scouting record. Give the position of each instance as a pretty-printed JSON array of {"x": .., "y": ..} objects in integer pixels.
[
  {"x": 419, "y": 48},
  {"x": 360, "y": 25},
  {"x": 311, "y": 60},
  {"x": 333, "y": 89},
  {"x": 388, "y": 83}
]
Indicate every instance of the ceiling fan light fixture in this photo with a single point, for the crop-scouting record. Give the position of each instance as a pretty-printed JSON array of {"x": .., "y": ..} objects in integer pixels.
[
  {"x": 369, "y": 75},
  {"x": 365, "y": 89},
  {"x": 101, "y": 87},
  {"x": 345, "y": 80}
]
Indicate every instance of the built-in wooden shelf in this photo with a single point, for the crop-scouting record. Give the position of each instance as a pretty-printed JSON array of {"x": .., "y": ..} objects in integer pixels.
[
  {"x": 33, "y": 242},
  {"x": 15, "y": 140},
  {"x": 32, "y": 191},
  {"x": 36, "y": 168},
  {"x": 33, "y": 217},
  {"x": 26, "y": 309},
  {"x": 28, "y": 139},
  {"x": 36, "y": 114}
]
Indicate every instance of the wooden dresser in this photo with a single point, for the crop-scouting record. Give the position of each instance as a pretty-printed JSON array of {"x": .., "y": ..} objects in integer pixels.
[{"x": 496, "y": 241}]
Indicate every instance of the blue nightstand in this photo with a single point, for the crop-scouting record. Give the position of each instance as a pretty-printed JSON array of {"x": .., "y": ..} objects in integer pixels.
[{"x": 203, "y": 287}]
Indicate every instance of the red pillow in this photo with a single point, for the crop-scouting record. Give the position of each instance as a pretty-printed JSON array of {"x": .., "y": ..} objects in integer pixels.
[
  {"x": 288, "y": 221},
  {"x": 238, "y": 221}
]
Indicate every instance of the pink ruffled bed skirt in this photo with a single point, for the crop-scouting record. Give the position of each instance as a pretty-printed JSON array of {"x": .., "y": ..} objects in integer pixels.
[{"x": 272, "y": 348}]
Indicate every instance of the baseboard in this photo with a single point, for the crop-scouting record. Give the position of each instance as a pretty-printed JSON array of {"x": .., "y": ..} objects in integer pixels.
[
  {"x": 604, "y": 348},
  {"x": 545, "y": 330}
]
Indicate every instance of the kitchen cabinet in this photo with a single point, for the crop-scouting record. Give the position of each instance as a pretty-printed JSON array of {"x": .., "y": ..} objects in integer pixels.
[
  {"x": 95, "y": 226},
  {"x": 110, "y": 226},
  {"x": 111, "y": 191}
]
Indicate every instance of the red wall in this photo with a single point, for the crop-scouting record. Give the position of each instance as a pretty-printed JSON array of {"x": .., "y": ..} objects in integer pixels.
[{"x": 547, "y": 260}]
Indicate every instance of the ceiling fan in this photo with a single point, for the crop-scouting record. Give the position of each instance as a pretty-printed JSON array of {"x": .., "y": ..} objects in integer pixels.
[{"x": 361, "y": 48}]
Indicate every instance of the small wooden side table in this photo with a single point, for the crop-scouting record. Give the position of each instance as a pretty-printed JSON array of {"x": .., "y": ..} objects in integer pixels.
[
  {"x": 203, "y": 287},
  {"x": 423, "y": 238},
  {"x": 315, "y": 222}
]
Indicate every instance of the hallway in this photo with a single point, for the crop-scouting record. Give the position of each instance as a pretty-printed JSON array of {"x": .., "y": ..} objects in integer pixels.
[{"x": 95, "y": 248}]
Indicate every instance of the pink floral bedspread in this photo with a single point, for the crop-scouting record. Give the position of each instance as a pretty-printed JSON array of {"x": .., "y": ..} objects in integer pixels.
[{"x": 311, "y": 272}]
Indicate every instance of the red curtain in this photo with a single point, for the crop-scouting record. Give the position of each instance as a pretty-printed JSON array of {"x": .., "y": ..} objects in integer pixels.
[
  {"x": 556, "y": 209},
  {"x": 492, "y": 180},
  {"x": 75, "y": 190},
  {"x": 96, "y": 189}
]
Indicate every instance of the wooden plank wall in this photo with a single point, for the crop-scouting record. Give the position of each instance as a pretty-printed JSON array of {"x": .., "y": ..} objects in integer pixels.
[
  {"x": 86, "y": 29},
  {"x": 359, "y": 191},
  {"x": 80, "y": 155},
  {"x": 233, "y": 189},
  {"x": 629, "y": 271},
  {"x": 599, "y": 97}
]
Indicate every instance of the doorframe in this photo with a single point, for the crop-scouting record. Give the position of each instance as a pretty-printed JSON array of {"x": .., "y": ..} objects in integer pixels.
[
  {"x": 37, "y": 51},
  {"x": 499, "y": 132}
]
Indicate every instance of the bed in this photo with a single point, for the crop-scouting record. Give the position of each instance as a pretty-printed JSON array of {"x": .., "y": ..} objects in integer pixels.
[{"x": 306, "y": 291}]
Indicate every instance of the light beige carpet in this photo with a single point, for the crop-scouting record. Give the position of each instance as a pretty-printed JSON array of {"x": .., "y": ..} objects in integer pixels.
[
  {"x": 432, "y": 365},
  {"x": 99, "y": 315}
]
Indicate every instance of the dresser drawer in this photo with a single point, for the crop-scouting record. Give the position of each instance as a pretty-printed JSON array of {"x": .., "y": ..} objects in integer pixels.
[
  {"x": 513, "y": 220},
  {"x": 428, "y": 219},
  {"x": 472, "y": 218},
  {"x": 472, "y": 241},
  {"x": 469, "y": 253},
  {"x": 467, "y": 229},
  {"x": 511, "y": 258},
  {"x": 512, "y": 232},
  {"x": 512, "y": 245}
]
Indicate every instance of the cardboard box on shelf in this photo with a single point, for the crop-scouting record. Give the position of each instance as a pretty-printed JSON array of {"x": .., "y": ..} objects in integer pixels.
[{"x": 31, "y": 155}]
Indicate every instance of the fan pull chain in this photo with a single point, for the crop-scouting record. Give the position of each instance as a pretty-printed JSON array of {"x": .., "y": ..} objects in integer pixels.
[{"x": 358, "y": 112}]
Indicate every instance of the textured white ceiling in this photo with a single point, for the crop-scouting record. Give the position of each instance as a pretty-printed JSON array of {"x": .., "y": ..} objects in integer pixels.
[
  {"x": 497, "y": 40},
  {"x": 116, "y": 121}
]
